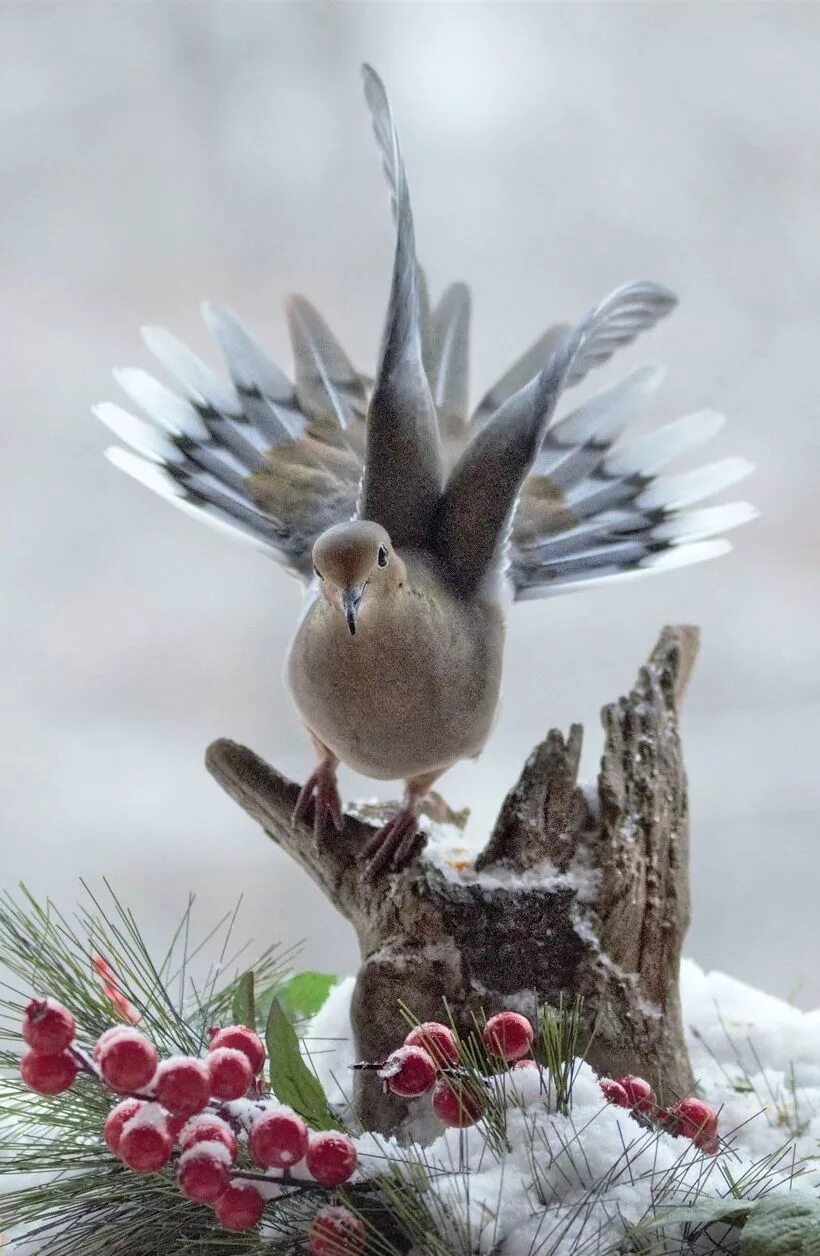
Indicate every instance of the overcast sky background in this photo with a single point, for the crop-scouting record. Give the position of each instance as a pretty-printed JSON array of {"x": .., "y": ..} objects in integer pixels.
[{"x": 154, "y": 155}]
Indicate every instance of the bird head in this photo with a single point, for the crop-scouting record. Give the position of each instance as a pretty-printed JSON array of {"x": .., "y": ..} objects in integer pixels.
[{"x": 351, "y": 558}]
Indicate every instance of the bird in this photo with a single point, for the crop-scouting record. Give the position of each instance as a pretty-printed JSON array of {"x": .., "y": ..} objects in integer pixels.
[{"x": 412, "y": 522}]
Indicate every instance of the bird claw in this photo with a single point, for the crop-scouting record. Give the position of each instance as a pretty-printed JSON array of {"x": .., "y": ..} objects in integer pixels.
[
  {"x": 321, "y": 791},
  {"x": 395, "y": 844}
]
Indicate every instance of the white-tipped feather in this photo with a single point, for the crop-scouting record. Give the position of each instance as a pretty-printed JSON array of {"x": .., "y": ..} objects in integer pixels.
[
  {"x": 682, "y": 556},
  {"x": 605, "y": 414},
  {"x": 173, "y": 413},
  {"x": 656, "y": 450},
  {"x": 674, "y": 492},
  {"x": 249, "y": 364},
  {"x": 201, "y": 384},
  {"x": 141, "y": 436},
  {"x": 146, "y": 473},
  {"x": 696, "y": 525}
]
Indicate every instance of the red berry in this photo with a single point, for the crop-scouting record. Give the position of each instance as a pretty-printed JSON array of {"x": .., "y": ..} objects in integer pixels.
[
  {"x": 508, "y": 1035},
  {"x": 525, "y": 1064},
  {"x": 48, "y": 1027},
  {"x": 614, "y": 1092},
  {"x": 409, "y": 1072},
  {"x": 331, "y": 1158},
  {"x": 639, "y": 1094},
  {"x": 204, "y": 1172},
  {"x": 693, "y": 1119},
  {"x": 336, "y": 1232},
  {"x": 128, "y": 1061},
  {"x": 145, "y": 1144},
  {"x": 206, "y": 1128},
  {"x": 176, "y": 1124},
  {"x": 240, "y": 1208},
  {"x": 116, "y": 1119},
  {"x": 456, "y": 1102},
  {"x": 48, "y": 1074},
  {"x": 230, "y": 1072},
  {"x": 241, "y": 1039},
  {"x": 278, "y": 1140},
  {"x": 183, "y": 1086},
  {"x": 108, "y": 1036},
  {"x": 437, "y": 1040}
]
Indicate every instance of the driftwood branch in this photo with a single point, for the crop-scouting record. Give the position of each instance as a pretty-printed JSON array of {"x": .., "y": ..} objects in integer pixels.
[{"x": 606, "y": 920}]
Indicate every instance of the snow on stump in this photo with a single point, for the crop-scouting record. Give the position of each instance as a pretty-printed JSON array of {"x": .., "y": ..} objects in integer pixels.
[{"x": 573, "y": 895}]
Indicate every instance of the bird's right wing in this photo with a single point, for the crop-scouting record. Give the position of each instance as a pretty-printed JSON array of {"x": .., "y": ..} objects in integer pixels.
[
  {"x": 483, "y": 490},
  {"x": 269, "y": 460}
]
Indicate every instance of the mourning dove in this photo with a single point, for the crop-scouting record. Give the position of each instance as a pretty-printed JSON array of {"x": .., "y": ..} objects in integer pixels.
[{"x": 411, "y": 525}]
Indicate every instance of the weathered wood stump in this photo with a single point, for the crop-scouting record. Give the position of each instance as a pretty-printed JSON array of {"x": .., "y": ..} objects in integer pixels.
[{"x": 573, "y": 894}]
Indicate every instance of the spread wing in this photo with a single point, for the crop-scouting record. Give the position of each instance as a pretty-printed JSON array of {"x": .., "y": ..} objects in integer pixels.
[
  {"x": 272, "y": 461},
  {"x": 595, "y": 507}
]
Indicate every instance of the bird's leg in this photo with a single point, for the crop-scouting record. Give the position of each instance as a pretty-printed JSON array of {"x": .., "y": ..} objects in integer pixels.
[
  {"x": 321, "y": 789},
  {"x": 396, "y": 842}
]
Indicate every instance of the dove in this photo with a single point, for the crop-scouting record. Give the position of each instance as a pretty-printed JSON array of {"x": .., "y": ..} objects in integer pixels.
[{"x": 412, "y": 522}]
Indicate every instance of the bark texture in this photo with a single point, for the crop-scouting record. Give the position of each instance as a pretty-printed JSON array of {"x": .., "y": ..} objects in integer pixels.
[{"x": 575, "y": 893}]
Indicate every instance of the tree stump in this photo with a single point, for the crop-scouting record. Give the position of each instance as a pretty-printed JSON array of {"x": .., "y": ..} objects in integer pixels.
[{"x": 574, "y": 894}]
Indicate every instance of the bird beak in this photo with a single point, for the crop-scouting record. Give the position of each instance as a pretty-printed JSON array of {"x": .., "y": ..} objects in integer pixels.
[{"x": 351, "y": 600}]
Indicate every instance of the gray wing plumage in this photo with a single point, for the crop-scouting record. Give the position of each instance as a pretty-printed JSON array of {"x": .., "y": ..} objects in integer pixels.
[
  {"x": 553, "y": 505},
  {"x": 403, "y": 466},
  {"x": 484, "y": 487}
]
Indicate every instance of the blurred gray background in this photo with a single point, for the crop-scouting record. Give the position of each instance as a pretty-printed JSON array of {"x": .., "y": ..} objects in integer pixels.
[{"x": 157, "y": 154}]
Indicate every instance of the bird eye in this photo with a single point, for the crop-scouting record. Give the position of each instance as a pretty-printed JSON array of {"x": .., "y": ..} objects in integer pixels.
[
  {"x": 382, "y": 559},
  {"x": 317, "y": 573}
]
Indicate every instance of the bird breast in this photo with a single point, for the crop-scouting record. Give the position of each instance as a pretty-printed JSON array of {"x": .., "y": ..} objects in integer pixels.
[{"x": 414, "y": 690}]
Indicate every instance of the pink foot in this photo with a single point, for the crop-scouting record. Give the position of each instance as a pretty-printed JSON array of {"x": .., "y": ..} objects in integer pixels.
[
  {"x": 321, "y": 791},
  {"x": 395, "y": 844}
]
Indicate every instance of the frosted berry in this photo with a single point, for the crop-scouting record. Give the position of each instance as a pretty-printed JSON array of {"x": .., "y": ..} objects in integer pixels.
[
  {"x": 241, "y": 1039},
  {"x": 183, "y": 1086},
  {"x": 639, "y": 1093},
  {"x": 128, "y": 1061},
  {"x": 336, "y": 1232},
  {"x": 48, "y": 1074},
  {"x": 145, "y": 1144},
  {"x": 709, "y": 1144},
  {"x": 614, "y": 1092},
  {"x": 278, "y": 1140},
  {"x": 176, "y": 1124},
  {"x": 240, "y": 1208},
  {"x": 331, "y": 1158},
  {"x": 437, "y": 1040},
  {"x": 206, "y": 1128},
  {"x": 409, "y": 1072},
  {"x": 117, "y": 1118},
  {"x": 508, "y": 1035},
  {"x": 204, "y": 1172},
  {"x": 525, "y": 1064},
  {"x": 108, "y": 1036},
  {"x": 457, "y": 1103},
  {"x": 230, "y": 1071},
  {"x": 693, "y": 1119},
  {"x": 48, "y": 1027}
]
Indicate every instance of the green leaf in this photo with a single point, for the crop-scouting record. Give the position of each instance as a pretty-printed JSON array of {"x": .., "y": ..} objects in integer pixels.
[
  {"x": 305, "y": 993},
  {"x": 290, "y": 1078},
  {"x": 785, "y": 1225},
  {"x": 732, "y": 1211},
  {"x": 243, "y": 1008}
]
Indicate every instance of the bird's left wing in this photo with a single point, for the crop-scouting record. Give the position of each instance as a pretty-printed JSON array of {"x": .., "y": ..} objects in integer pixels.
[
  {"x": 403, "y": 467},
  {"x": 272, "y": 461}
]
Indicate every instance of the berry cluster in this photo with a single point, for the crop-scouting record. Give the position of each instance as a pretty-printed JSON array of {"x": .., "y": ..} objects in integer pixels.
[
  {"x": 690, "y": 1117},
  {"x": 429, "y": 1060},
  {"x": 178, "y": 1110}
]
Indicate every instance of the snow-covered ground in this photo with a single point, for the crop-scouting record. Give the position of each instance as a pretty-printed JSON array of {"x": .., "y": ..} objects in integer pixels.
[{"x": 571, "y": 1182}]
